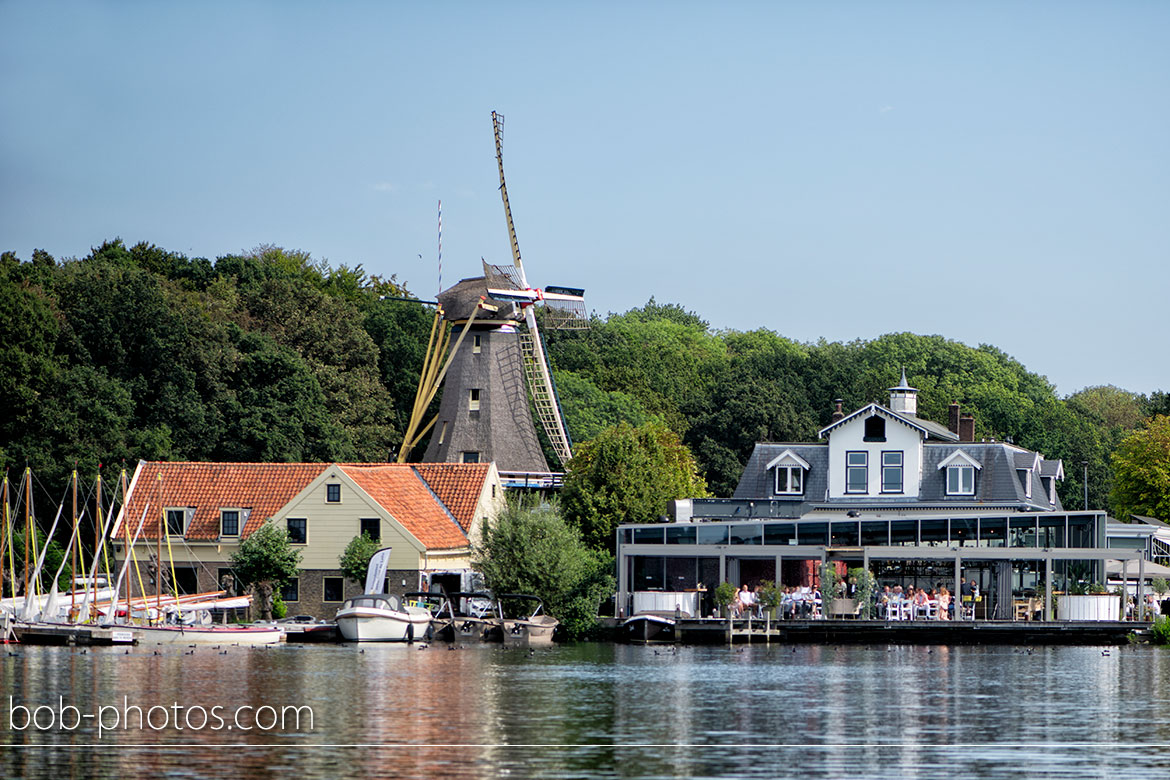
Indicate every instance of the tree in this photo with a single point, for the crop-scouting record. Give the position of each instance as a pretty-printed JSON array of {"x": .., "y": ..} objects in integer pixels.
[
  {"x": 356, "y": 559},
  {"x": 627, "y": 475},
  {"x": 1141, "y": 468},
  {"x": 531, "y": 549},
  {"x": 265, "y": 561}
]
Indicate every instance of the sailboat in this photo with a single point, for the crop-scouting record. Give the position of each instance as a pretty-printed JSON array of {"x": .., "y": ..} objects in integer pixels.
[
  {"x": 377, "y": 616},
  {"x": 173, "y": 618}
]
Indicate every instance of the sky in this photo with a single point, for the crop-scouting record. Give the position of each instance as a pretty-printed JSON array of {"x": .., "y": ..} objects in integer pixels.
[{"x": 994, "y": 172}]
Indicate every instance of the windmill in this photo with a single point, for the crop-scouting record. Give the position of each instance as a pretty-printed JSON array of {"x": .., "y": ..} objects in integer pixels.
[{"x": 497, "y": 364}]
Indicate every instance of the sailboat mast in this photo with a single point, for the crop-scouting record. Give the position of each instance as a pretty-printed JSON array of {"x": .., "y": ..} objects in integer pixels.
[
  {"x": 128, "y": 551},
  {"x": 158, "y": 556},
  {"x": 5, "y": 537},
  {"x": 28, "y": 540},
  {"x": 73, "y": 559}
]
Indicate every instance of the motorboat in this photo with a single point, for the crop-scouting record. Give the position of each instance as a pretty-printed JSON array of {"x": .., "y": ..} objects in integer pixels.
[
  {"x": 381, "y": 617},
  {"x": 468, "y": 616},
  {"x": 647, "y": 628},
  {"x": 524, "y": 622},
  {"x": 208, "y": 635}
]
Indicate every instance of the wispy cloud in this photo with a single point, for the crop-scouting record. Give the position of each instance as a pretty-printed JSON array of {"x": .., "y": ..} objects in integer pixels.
[
  {"x": 384, "y": 186},
  {"x": 885, "y": 109}
]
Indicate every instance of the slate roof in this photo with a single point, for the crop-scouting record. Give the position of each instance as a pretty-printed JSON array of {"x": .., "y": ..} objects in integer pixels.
[
  {"x": 260, "y": 489},
  {"x": 996, "y": 482}
]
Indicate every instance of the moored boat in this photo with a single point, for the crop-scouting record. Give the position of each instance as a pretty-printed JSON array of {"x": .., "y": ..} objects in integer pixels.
[
  {"x": 208, "y": 635},
  {"x": 531, "y": 626},
  {"x": 647, "y": 628},
  {"x": 380, "y": 617},
  {"x": 468, "y": 616}
]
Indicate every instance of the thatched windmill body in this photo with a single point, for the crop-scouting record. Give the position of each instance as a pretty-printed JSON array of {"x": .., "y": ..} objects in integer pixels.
[{"x": 496, "y": 366}]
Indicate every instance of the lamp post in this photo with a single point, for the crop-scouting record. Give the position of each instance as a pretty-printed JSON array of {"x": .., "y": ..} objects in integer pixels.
[{"x": 1085, "y": 483}]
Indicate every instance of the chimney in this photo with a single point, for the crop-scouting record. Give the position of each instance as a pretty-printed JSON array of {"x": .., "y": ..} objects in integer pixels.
[
  {"x": 966, "y": 427},
  {"x": 837, "y": 413},
  {"x": 953, "y": 418}
]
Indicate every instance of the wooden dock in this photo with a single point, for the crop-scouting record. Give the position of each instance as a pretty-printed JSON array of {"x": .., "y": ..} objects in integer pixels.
[
  {"x": 67, "y": 634},
  {"x": 918, "y": 632}
]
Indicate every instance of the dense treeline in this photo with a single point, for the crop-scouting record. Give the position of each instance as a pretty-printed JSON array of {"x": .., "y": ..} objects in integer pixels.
[{"x": 137, "y": 352}]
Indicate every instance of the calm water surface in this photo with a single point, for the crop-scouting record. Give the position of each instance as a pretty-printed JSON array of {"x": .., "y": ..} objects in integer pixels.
[{"x": 595, "y": 711}]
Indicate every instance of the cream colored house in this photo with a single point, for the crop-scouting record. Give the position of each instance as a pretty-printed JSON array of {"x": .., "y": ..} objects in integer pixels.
[{"x": 429, "y": 514}]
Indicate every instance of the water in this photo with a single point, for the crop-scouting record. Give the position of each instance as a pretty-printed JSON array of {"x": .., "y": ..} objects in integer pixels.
[{"x": 594, "y": 711}]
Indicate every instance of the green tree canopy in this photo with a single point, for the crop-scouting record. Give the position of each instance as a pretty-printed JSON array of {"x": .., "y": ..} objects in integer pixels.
[
  {"x": 1142, "y": 468},
  {"x": 531, "y": 549},
  {"x": 355, "y": 560},
  {"x": 627, "y": 475},
  {"x": 266, "y": 561}
]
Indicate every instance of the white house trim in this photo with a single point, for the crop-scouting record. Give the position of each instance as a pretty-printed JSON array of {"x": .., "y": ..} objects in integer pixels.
[
  {"x": 788, "y": 457},
  {"x": 958, "y": 456}
]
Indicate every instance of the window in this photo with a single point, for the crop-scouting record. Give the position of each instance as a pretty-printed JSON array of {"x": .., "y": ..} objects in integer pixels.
[
  {"x": 960, "y": 480},
  {"x": 186, "y": 580},
  {"x": 856, "y": 472},
  {"x": 291, "y": 590},
  {"x": 875, "y": 428},
  {"x": 229, "y": 522},
  {"x": 789, "y": 480},
  {"x": 333, "y": 589},
  {"x": 471, "y": 457},
  {"x": 333, "y": 493},
  {"x": 476, "y": 344},
  {"x": 1025, "y": 481},
  {"x": 371, "y": 527},
  {"x": 298, "y": 531},
  {"x": 891, "y": 472},
  {"x": 176, "y": 522},
  {"x": 473, "y": 399}
]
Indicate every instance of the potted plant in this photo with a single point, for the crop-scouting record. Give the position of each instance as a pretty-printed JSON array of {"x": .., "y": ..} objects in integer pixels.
[
  {"x": 769, "y": 597},
  {"x": 866, "y": 587},
  {"x": 724, "y": 594}
]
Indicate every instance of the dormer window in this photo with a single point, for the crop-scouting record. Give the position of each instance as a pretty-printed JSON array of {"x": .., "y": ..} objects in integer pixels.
[
  {"x": 875, "y": 428},
  {"x": 789, "y": 480},
  {"x": 229, "y": 522},
  {"x": 790, "y": 470},
  {"x": 1051, "y": 490},
  {"x": 1025, "y": 481},
  {"x": 961, "y": 480},
  {"x": 960, "y": 473}
]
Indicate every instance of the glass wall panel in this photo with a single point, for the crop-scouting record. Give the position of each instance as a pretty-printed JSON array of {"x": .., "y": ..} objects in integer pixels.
[
  {"x": 904, "y": 532},
  {"x": 964, "y": 531},
  {"x": 844, "y": 534},
  {"x": 875, "y": 532},
  {"x": 934, "y": 533},
  {"x": 1080, "y": 531},
  {"x": 648, "y": 535},
  {"x": 747, "y": 534},
  {"x": 708, "y": 579},
  {"x": 626, "y": 535},
  {"x": 711, "y": 534},
  {"x": 812, "y": 533},
  {"x": 779, "y": 533},
  {"x": 649, "y": 573},
  {"x": 1052, "y": 531},
  {"x": 680, "y": 534},
  {"x": 993, "y": 532},
  {"x": 681, "y": 573},
  {"x": 1022, "y": 532}
]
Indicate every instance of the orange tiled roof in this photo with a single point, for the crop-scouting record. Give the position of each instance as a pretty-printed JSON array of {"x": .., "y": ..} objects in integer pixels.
[
  {"x": 458, "y": 486},
  {"x": 262, "y": 488},
  {"x": 400, "y": 490}
]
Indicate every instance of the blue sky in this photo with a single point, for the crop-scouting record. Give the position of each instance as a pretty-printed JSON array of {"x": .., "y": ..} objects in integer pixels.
[{"x": 992, "y": 172}]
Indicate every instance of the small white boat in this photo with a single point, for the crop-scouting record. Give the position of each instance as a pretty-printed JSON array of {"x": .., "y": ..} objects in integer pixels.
[
  {"x": 207, "y": 635},
  {"x": 646, "y": 628},
  {"x": 379, "y": 617},
  {"x": 531, "y": 627}
]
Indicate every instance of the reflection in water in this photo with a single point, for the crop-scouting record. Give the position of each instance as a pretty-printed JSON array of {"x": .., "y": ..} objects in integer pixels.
[{"x": 601, "y": 710}]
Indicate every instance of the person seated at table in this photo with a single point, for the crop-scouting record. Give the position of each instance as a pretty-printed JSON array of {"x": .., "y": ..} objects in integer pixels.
[
  {"x": 920, "y": 602},
  {"x": 883, "y": 601},
  {"x": 787, "y": 603}
]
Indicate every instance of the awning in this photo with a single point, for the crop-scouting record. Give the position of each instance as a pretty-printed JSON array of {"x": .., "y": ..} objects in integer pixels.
[{"x": 1129, "y": 570}]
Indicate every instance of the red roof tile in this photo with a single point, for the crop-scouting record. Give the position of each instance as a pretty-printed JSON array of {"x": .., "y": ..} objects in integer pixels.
[
  {"x": 458, "y": 485},
  {"x": 261, "y": 488},
  {"x": 398, "y": 489}
]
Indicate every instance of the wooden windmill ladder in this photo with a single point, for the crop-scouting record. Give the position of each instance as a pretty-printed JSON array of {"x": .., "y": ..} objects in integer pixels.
[{"x": 543, "y": 398}]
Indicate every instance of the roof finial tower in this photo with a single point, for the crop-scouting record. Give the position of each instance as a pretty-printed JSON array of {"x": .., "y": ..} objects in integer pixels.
[{"x": 904, "y": 398}]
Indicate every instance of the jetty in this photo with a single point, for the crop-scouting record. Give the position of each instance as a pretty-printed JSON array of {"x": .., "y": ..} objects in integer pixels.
[{"x": 919, "y": 632}]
